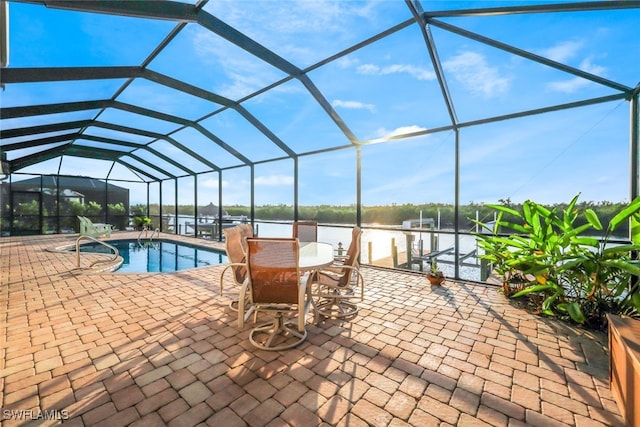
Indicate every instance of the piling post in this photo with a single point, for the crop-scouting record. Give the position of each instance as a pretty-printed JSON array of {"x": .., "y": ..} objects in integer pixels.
[{"x": 394, "y": 252}]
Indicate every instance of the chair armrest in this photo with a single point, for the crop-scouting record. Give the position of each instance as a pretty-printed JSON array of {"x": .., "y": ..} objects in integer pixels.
[
  {"x": 332, "y": 269},
  {"x": 241, "y": 300},
  {"x": 230, "y": 265},
  {"x": 330, "y": 272}
]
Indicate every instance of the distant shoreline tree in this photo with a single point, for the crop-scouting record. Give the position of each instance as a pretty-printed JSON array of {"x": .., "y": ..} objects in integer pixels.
[{"x": 386, "y": 215}]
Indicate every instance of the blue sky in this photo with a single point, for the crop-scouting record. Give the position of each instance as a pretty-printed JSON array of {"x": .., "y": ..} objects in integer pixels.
[{"x": 383, "y": 89}]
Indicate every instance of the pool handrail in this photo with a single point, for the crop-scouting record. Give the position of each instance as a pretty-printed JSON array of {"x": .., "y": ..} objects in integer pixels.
[
  {"x": 145, "y": 230},
  {"x": 115, "y": 250}
]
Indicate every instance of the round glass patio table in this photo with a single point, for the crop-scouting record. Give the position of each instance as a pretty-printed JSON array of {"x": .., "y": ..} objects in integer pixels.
[{"x": 314, "y": 255}]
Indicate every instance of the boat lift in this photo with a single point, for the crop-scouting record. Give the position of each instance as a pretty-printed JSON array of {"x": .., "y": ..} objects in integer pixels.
[{"x": 415, "y": 248}]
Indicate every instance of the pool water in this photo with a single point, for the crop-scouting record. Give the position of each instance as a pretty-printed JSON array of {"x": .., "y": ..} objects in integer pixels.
[{"x": 158, "y": 255}]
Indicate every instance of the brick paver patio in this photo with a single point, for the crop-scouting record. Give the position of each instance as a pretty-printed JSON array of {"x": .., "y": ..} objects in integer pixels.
[{"x": 163, "y": 349}]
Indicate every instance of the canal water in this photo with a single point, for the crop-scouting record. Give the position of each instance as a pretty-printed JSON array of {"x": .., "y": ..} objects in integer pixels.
[{"x": 376, "y": 245}]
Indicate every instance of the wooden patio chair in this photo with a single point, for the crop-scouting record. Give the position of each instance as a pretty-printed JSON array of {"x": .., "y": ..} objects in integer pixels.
[
  {"x": 275, "y": 287},
  {"x": 334, "y": 288},
  {"x": 305, "y": 231},
  {"x": 234, "y": 247}
]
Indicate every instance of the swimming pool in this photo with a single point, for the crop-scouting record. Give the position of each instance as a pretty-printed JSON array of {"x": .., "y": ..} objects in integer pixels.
[{"x": 158, "y": 255}]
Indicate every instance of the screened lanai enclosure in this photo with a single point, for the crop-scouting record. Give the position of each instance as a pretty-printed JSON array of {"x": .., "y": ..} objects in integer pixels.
[{"x": 403, "y": 117}]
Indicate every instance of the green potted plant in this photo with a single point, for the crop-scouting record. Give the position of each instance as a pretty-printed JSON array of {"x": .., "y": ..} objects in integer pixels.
[
  {"x": 435, "y": 276},
  {"x": 141, "y": 222}
]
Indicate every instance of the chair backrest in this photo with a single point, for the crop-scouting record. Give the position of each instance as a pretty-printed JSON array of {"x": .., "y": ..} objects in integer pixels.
[
  {"x": 351, "y": 259},
  {"x": 305, "y": 231},
  {"x": 233, "y": 245},
  {"x": 272, "y": 265}
]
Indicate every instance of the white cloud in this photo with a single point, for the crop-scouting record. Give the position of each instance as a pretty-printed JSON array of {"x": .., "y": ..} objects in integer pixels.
[
  {"x": 568, "y": 86},
  {"x": 586, "y": 65},
  {"x": 347, "y": 62},
  {"x": 279, "y": 25},
  {"x": 416, "y": 72},
  {"x": 354, "y": 105},
  {"x": 402, "y": 130},
  {"x": 244, "y": 72},
  {"x": 474, "y": 73},
  {"x": 328, "y": 15},
  {"x": 572, "y": 85},
  {"x": 211, "y": 183},
  {"x": 369, "y": 69},
  {"x": 161, "y": 100},
  {"x": 274, "y": 180},
  {"x": 563, "y": 51}
]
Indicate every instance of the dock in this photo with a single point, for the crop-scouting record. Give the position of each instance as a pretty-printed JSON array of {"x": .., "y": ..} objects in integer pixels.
[
  {"x": 212, "y": 228},
  {"x": 403, "y": 258}
]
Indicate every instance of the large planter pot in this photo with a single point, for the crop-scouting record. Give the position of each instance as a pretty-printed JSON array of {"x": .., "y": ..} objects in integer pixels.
[
  {"x": 435, "y": 280},
  {"x": 624, "y": 366}
]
